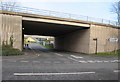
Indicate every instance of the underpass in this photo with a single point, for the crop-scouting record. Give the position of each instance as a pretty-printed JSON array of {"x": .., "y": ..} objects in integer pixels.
[{"x": 63, "y": 31}]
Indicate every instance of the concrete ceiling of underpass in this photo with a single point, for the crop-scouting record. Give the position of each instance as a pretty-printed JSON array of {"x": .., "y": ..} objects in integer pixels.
[{"x": 48, "y": 29}]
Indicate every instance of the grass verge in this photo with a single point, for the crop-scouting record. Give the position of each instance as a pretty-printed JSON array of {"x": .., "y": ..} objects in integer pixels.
[
  {"x": 50, "y": 46},
  {"x": 117, "y": 53}
]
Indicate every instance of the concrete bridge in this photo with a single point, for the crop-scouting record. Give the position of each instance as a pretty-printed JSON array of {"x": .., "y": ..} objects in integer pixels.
[{"x": 70, "y": 34}]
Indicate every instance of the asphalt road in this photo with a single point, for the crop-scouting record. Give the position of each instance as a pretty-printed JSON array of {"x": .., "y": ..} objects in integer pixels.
[{"x": 43, "y": 64}]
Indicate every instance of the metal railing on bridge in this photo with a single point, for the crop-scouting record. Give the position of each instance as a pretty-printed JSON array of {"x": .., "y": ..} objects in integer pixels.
[{"x": 57, "y": 14}]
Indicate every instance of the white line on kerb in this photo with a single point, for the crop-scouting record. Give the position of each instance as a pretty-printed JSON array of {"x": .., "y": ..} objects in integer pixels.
[
  {"x": 74, "y": 73},
  {"x": 58, "y": 54},
  {"x": 76, "y": 56}
]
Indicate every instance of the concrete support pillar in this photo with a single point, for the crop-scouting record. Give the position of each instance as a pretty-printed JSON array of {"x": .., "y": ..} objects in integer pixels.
[{"x": 12, "y": 26}]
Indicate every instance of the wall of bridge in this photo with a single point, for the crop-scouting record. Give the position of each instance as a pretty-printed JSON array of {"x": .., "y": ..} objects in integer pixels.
[
  {"x": 77, "y": 41},
  {"x": 82, "y": 40},
  {"x": 103, "y": 33},
  {"x": 11, "y": 26}
]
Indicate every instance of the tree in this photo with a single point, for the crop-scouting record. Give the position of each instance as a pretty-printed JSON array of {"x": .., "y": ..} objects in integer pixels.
[
  {"x": 116, "y": 9},
  {"x": 9, "y": 5}
]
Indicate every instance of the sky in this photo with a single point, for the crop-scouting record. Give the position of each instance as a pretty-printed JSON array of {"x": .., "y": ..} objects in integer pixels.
[{"x": 90, "y": 8}]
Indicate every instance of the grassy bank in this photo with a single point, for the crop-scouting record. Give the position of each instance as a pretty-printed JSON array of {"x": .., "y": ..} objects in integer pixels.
[
  {"x": 117, "y": 53},
  {"x": 9, "y": 51}
]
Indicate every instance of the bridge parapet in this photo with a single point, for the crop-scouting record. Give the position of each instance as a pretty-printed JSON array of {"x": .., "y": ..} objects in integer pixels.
[{"x": 59, "y": 14}]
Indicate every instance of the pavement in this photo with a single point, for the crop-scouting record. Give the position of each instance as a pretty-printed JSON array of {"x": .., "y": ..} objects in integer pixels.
[{"x": 40, "y": 63}]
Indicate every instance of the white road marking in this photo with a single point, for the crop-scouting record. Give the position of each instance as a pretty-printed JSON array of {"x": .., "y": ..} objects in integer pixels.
[
  {"x": 76, "y": 56},
  {"x": 99, "y": 61},
  {"x": 90, "y": 61},
  {"x": 40, "y": 74},
  {"x": 116, "y": 70},
  {"x": 58, "y": 54},
  {"x": 105, "y": 61},
  {"x": 73, "y": 59},
  {"x": 24, "y": 61},
  {"x": 115, "y": 61},
  {"x": 83, "y": 61},
  {"x": 37, "y": 54}
]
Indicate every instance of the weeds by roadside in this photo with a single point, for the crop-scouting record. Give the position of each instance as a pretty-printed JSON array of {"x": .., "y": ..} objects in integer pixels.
[{"x": 7, "y": 50}]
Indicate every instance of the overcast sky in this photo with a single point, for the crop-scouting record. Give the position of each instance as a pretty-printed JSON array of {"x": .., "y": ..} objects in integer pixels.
[{"x": 92, "y": 8}]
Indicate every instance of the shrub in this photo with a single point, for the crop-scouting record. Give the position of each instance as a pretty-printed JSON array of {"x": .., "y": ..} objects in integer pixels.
[{"x": 8, "y": 50}]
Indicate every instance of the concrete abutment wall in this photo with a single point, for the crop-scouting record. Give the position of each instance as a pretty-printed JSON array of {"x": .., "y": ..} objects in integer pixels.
[
  {"x": 77, "y": 41},
  {"x": 103, "y": 34},
  {"x": 82, "y": 40},
  {"x": 11, "y": 26}
]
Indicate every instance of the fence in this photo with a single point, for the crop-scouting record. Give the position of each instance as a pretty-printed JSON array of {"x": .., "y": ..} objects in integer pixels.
[{"x": 57, "y": 14}]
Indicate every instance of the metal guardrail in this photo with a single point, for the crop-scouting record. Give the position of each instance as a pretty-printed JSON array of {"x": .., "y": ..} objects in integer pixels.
[{"x": 56, "y": 14}]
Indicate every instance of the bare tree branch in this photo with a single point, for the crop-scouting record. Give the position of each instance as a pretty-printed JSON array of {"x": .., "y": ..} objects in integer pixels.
[
  {"x": 116, "y": 10},
  {"x": 9, "y": 5}
]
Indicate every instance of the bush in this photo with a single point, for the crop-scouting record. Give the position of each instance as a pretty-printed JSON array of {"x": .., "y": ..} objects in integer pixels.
[
  {"x": 7, "y": 50},
  {"x": 49, "y": 46}
]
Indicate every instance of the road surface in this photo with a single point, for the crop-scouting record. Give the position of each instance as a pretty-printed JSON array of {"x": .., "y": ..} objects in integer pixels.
[{"x": 40, "y": 63}]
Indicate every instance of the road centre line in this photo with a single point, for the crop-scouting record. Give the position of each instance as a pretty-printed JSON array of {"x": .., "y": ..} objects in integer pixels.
[
  {"x": 40, "y": 74},
  {"x": 76, "y": 56}
]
